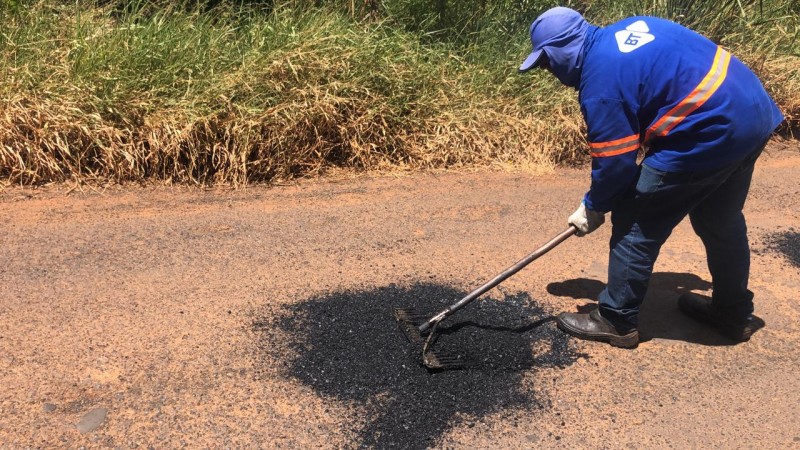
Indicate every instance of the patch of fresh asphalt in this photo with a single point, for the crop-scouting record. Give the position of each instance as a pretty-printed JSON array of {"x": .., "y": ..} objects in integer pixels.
[
  {"x": 787, "y": 243},
  {"x": 347, "y": 346}
]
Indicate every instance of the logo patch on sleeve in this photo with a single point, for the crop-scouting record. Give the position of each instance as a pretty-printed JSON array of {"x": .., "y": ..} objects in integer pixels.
[{"x": 634, "y": 36}]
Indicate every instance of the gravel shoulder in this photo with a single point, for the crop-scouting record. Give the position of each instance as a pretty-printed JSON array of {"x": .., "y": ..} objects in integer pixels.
[{"x": 175, "y": 317}]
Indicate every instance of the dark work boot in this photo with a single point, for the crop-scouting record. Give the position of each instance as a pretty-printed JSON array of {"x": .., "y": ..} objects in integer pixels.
[
  {"x": 595, "y": 327},
  {"x": 700, "y": 308}
]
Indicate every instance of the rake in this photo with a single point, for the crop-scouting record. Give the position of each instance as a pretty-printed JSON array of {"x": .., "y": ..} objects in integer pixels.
[{"x": 419, "y": 329}]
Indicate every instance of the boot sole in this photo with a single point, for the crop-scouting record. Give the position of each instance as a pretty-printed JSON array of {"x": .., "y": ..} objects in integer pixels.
[{"x": 630, "y": 340}]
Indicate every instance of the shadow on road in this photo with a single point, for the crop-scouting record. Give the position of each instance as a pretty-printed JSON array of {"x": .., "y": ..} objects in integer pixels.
[
  {"x": 348, "y": 347},
  {"x": 659, "y": 316}
]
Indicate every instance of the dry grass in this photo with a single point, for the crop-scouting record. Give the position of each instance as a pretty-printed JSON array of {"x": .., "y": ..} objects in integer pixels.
[
  {"x": 43, "y": 141},
  {"x": 781, "y": 76}
]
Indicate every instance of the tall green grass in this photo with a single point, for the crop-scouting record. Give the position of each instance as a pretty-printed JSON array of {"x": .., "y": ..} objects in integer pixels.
[{"x": 246, "y": 92}]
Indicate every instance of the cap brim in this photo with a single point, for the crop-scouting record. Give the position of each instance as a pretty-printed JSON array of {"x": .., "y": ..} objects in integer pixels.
[{"x": 531, "y": 61}]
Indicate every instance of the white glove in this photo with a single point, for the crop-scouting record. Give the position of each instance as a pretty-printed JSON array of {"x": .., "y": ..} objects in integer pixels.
[{"x": 586, "y": 220}]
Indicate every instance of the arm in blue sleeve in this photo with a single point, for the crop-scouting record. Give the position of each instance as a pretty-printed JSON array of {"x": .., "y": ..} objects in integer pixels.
[
  {"x": 611, "y": 177},
  {"x": 613, "y": 133}
]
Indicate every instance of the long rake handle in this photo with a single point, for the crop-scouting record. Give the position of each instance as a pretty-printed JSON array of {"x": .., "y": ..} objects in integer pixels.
[{"x": 498, "y": 279}]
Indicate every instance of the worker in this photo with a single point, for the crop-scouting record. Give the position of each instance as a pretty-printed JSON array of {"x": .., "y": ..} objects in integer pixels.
[{"x": 703, "y": 118}]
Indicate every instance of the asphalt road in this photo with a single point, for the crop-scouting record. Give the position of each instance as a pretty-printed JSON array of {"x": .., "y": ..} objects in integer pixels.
[{"x": 164, "y": 317}]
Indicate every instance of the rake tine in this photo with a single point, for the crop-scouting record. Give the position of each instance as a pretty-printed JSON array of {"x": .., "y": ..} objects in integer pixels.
[
  {"x": 405, "y": 320},
  {"x": 434, "y": 360},
  {"x": 444, "y": 358},
  {"x": 441, "y": 361},
  {"x": 410, "y": 315}
]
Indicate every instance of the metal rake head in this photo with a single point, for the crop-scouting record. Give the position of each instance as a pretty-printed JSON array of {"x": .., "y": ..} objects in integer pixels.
[{"x": 409, "y": 321}]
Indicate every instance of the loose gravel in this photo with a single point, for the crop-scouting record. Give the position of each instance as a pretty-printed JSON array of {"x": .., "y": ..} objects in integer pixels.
[
  {"x": 347, "y": 346},
  {"x": 786, "y": 243}
]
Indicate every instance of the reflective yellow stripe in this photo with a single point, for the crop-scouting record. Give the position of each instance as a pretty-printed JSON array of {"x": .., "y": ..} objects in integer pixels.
[{"x": 700, "y": 94}]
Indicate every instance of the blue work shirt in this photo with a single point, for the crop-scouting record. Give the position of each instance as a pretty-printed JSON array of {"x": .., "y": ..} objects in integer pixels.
[{"x": 654, "y": 83}]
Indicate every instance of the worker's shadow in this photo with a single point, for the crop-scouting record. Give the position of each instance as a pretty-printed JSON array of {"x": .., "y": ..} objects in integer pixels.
[{"x": 659, "y": 316}]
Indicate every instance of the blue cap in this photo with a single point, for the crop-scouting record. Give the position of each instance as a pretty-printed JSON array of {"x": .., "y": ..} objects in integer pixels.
[
  {"x": 531, "y": 61},
  {"x": 551, "y": 27}
]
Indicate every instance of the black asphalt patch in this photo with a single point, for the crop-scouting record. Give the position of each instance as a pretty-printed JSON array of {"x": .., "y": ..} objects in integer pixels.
[
  {"x": 786, "y": 243},
  {"x": 348, "y": 347}
]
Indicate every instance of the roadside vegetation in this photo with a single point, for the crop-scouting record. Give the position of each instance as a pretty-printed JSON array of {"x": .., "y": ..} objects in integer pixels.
[{"x": 238, "y": 92}]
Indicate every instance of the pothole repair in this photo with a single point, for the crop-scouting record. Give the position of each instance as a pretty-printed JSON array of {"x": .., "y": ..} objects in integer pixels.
[{"x": 347, "y": 347}]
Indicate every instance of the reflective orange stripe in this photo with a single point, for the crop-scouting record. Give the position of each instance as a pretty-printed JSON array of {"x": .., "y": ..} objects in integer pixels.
[
  {"x": 615, "y": 147},
  {"x": 616, "y": 152},
  {"x": 711, "y": 82},
  {"x": 614, "y": 142}
]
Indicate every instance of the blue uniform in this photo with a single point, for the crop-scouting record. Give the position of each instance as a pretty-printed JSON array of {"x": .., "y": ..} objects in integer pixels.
[
  {"x": 648, "y": 82},
  {"x": 703, "y": 119}
]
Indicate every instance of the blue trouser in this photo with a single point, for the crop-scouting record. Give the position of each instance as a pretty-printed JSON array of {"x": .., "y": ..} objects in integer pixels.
[{"x": 646, "y": 216}]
